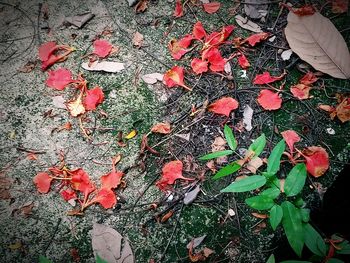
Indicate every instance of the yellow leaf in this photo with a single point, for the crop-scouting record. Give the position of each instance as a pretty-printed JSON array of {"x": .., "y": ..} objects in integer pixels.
[
  {"x": 15, "y": 246},
  {"x": 131, "y": 135},
  {"x": 76, "y": 107}
]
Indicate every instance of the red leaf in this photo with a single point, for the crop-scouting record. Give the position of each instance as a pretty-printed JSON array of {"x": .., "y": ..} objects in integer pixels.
[
  {"x": 178, "y": 12},
  {"x": 93, "y": 98},
  {"x": 46, "y": 49},
  {"x": 223, "y": 106},
  {"x": 212, "y": 7},
  {"x": 112, "y": 179},
  {"x": 291, "y": 137},
  {"x": 102, "y": 48},
  {"x": 243, "y": 61},
  {"x": 256, "y": 38},
  {"x": 308, "y": 79},
  {"x": 266, "y": 78},
  {"x": 317, "y": 160},
  {"x": 340, "y": 6},
  {"x": 300, "y": 91},
  {"x": 106, "y": 197},
  {"x": 216, "y": 38},
  {"x": 68, "y": 194},
  {"x": 199, "y": 66},
  {"x": 269, "y": 100},
  {"x": 163, "y": 128},
  {"x": 59, "y": 78},
  {"x": 50, "y": 53},
  {"x": 175, "y": 77},
  {"x": 217, "y": 62},
  {"x": 198, "y": 31},
  {"x": 81, "y": 181},
  {"x": 179, "y": 48},
  {"x": 171, "y": 172},
  {"x": 304, "y": 11},
  {"x": 43, "y": 182}
]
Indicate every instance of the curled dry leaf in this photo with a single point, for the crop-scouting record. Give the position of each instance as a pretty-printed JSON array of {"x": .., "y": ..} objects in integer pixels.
[
  {"x": 141, "y": 6},
  {"x": 107, "y": 66},
  {"x": 291, "y": 137},
  {"x": 163, "y": 128},
  {"x": 212, "y": 7},
  {"x": 254, "y": 164},
  {"x": 191, "y": 195},
  {"x": 269, "y": 100},
  {"x": 76, "y": 107},
  {"x": 223, "y": 106},
  {"x": 245, "y": 23},
  {"x": 317, "y": 41},
  {"x": 317, "y": 160},
  {"x": 343, "y": 110}
]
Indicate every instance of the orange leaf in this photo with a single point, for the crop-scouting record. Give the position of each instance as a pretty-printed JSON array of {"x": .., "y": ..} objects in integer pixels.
[
  {"x": 269, "y": 100},
  {"x": 106, "y": 197},
  {"x": 261, "y": 216},
  {"x": 112, "y": 179},
  {"x": 308, "y": 79},
  {"x": 317, "y": 160},
  {"x": 256, "y": 38},
  {"x": 59, "y": 78},
  {"x": 291, "y": 137},
  {"x": 223, "y": 106},
  {"x": 175, "y": 77},
  {"x": 304, "y": 10},
  {"x": 102, "y": 48},
  {"x": 163, "y": 128},
  {"x": 171, "y": 172},
  {"x": 343, "y": 110},
  {"x": 266, "y": 78},
  {"x": 243, "y": 61},
  {"x": 300, "y": 91},
  {"x": 43, "y": 182},
  {"x": 199, "y": 66},
  {"x": 93, "y": 98},
  {"x": 212, "y": 7},
  {"x": 76, "y": 107},
  {"x": 199, "y": 31},
  {"x": 178, "y": 12}
]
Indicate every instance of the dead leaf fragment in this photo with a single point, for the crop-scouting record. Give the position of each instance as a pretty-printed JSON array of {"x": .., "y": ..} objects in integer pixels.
[
  {"x": 137, "y": 40},
  {"x": 110, "y": 245},
  {"x": 256, "y": 10},
  {"x": 254, "y": 164},
  {"x": 219, "y": 145},
  {"x": 141, "y": 6},
  {"x": 107, "y": 66},
  {"x": 191, "y": 195},
  {"x": 78, "y": 21},
  {"x": 152, "y": 78},
  {"x": 196, "y": 242},
  {"x": 285, "y": 55},
  {"x": 28, "y": 67},
  {"x": 247, "y": 117},
  {"x": 245, "y": 23},
  {"x": 318, "y": 42}
]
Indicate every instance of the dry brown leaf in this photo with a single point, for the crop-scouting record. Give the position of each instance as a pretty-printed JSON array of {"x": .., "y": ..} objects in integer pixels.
[
  {"x": 141, "y": 6},
  {"x": 219, "y": 145},
  {"x": 343, "y": 110},
  {"x": 78, "y": 21},
  {"x": 254, "y": 164},
  {"x": 245, "y": 23},
  {"x": 137, "y": 40},
  {"x": 256, "y": 10},
  {"x": 5, "y": 184},
  {"x": 107, "y": 66},
  {"x": 28, "y": 67},
  {"x": 317, "y": 41},
  {"x": 261, "y": 216},
  {"x": 152, "y": 78}
]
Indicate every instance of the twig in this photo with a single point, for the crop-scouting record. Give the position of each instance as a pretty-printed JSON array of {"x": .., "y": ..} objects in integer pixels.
[
  {"x": 22, "y": 149},
  {"x": 53, "y": 235}
]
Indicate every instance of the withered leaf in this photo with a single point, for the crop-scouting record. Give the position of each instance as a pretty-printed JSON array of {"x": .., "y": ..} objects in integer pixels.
[
  {"x": 107, "y": 66},
  {"x": 191, "y": 195}
]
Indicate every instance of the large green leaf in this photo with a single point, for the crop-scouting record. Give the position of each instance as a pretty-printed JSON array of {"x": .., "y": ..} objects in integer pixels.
[
  {"x": 295, "y": 180},
  {"x": 228, "y": 169},
  {"x": 293, "y": 226},
  {"x": 273, "y": 163},
  {"x": 215, "y": 155},
  {"x": 314, "y": 241},
  {"x": 335, "y": 260},
  {"x": 271, "y": 259},
  {"x": 305, "y": 214},
  {"x": 344, "y": 248},
  {"x": 260, "y": 202},
  {"x": 258, "y": 145},
  {"x": 276, "y": 214},
  {"x": 246, "y": 184},
  {"x": 272, "y": 192},
  {"x": 230, "y": 138},
  {"x": 43, "y": 259}
]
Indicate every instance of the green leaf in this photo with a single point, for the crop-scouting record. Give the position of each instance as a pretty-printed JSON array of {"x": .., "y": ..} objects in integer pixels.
[
  {"x": 276, "y": 214},
  {"x": 273, "y": 163},
  {"x": 314, "y": 241},
  {"x": 299, "y": 202},
  {"x": 272, "y": 192},
  {"x": 230, "y": 138},
  {"x": 215, "y": 155},
  {"x": 295, "y": 180},
  {"x": 246, "y": 184},
  {"x": 344, "y": 248},
  {"x": 100, "y": 260},
  {"x": 228, "y": 169},
  {"x": 271, "y": 259},
  {"x": 293, "y": 226},
  {"x": 305, "y": 214},
  {"x": 258, "y": 145},
  {"x": 260, "y": 202},
  {"x": 43, "y": 259},
  {"x": 334, "y": 260}
]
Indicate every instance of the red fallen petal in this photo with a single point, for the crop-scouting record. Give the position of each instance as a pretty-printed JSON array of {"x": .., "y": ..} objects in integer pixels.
[
  {"x": 59, "y": 78},
  {"x": 300, "y": 91},
  {"x": 199, "y": 66},
  {"x": 217, "y": 62},
  {"x": 81, "y": 181},
  {"x": 216, "y": 38},
  {"x": 175, "y": 77},
  {"x": 317, "y": 160},
  {"x": 179, "y": 48},
  {"x": 269, "y": 100},
  {"x": 106, "y": 197},
  {"x": 256, "y": 38},
  {"x": 186, "y": 41},
  {"x": 163, "y": 128},
  {"x": 291, "y": 137},
  {"x": 223, "y": 106},
  {"x": 43, "y": 182},
  {"x": 340, "y": 6},
  {"x": 102, "y": 48},
  {"x": 93, "y": 98},
  {"x": 243, "y": 61},
  {"x": 212, "y": 7},
  {"x": 68, "y": 194},
  {"x": 266, "y": 78},
  {"x": 198, "y": 31},
  {"x": 178, "y": 12},
  {"x": 304, "y": 11},
  {"x": 170, "y": 172},
  {"x": 112, "y": 179},
  {"x": 308, "y": 79},
  {"x": 46, "y": 49}
]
